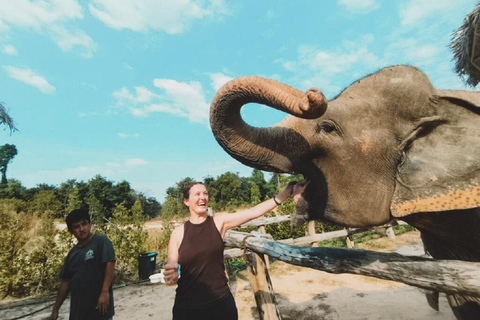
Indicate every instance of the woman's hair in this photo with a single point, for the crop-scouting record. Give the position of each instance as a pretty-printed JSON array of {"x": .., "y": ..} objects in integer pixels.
[{"x": 187, "y": 186}]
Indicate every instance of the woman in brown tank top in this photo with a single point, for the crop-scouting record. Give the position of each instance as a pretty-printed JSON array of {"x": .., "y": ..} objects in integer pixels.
[{"x": 202, "y": 292}]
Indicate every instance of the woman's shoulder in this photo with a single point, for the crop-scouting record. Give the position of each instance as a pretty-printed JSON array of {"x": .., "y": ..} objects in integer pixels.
[{"x": 177, "y": 233}]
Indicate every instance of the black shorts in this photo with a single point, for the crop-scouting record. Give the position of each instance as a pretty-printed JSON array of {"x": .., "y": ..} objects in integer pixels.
[{"x": 223, "y": 310}]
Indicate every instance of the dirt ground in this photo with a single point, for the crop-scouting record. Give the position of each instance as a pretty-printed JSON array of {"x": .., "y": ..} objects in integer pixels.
[{"x": 301, "y": 293}]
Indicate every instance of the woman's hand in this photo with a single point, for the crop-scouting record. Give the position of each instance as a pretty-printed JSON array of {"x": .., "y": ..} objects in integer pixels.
[
  {"x": 287, "y": 192},
  {"x": 171, "y": 273}
]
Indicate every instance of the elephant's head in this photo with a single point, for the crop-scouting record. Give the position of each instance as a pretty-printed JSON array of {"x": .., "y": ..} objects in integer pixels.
[{"x": 388, "y": 146}]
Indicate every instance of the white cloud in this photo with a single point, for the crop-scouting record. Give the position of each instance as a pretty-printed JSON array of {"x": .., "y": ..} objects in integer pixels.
[
  {"x": 29, "y": 77},
  {"x": 126, "y": 135},
  {"x": 189, "y": 98},
  {"x": 127, "y": 66},
  {"x": 417, "y": 11},
  {"x": 135, "y": 162},
  {"x": 74, "y": 40},
  {"x": 414, "y": 51},
  {"x": 359, "y": 6},
  {"x": 219, "y": 79},
  {"x": 38, "y": 14},
  {"x": 170, "y": 16},
  {"x": 182, "y": 99},
  {"x": 10, "y": 50},
  {"x": 142, "y": 95},
  {"x": 317, "y": 67},
  {"x": 48, "y": 17},
  {"x": 338, "y": 60}
]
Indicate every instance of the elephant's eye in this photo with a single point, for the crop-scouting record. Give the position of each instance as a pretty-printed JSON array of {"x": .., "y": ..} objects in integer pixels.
[{"x": 326, "y": 126}]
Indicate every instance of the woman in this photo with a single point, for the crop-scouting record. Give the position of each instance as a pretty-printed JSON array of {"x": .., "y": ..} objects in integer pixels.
[{"x": 197, "y": 246}]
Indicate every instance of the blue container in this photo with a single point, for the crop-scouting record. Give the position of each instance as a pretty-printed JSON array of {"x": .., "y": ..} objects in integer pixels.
[{"x": 146, "y": 265}]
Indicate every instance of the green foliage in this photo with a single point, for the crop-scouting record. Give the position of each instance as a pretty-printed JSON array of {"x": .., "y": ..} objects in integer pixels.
[
  {"x": 158, "y": 242},
  {"x": 15, "y": 205},
  {"x": 128, "y": 238},
  {"x": 12, "y": 241},
  {"x": 227, "y": 192},
  {"x": 46, "y": 203},
  {"x": 41, "y": 265},
  {"x": 402, "y": 229},
  {"x": 255, "y": 194},
  {"x": 14, "y": 190},
  {"x": 284, "y": 230},
  {"x": 74, "y": 201},
  {"x": 151, "y": 207},
  {"x": 31, "y": 257},
  {"x": 172, "y": 207}
]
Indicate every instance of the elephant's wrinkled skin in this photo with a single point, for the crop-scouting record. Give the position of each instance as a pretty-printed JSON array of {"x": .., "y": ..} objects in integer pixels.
[{"x": 389, "y": 146}]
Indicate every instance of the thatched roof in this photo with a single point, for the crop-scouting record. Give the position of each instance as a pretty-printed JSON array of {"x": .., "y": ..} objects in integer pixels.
[{"x": 466, "y": 48}]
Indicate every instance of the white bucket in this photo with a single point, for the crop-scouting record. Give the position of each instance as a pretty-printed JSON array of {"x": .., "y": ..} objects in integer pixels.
[{"x": 157, "y": 277}]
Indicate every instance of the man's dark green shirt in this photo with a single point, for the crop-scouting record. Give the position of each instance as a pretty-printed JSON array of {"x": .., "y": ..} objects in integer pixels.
[{"x": 85, "y": 268}]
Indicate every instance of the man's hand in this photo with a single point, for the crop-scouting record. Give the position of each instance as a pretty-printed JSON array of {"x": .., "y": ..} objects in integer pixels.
[
  {"x": 103, "y": 302},
  {"x": 171, "y": 273}
]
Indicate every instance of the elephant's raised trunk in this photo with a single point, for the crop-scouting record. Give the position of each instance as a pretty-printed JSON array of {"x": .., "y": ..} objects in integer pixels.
[{"x": 273, "y": 148}]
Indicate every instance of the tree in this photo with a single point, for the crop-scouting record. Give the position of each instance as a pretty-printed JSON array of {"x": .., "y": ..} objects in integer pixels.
[
  {"x": 73, "y": 201},
  {"x": 7, "y": 153},
  {"x": 14, "y": 189},
  {"x": 151, "y": 207},
  {"x": 229, "y": 191},
  {"x": 254, "y": 194},
  {"x": 45, "y": 202}
]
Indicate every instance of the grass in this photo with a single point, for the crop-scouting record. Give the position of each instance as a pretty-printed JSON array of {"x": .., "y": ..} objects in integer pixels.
[{"x": 367, "y": 238}]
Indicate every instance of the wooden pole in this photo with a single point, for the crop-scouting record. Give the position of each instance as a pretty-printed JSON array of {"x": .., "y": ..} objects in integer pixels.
[
  {"x": 349, "y": 240},
  {"x": 262, "y": 287},
  {"x": 311, "y": 232},
  {"x": 390, "y": 233},
  {"x": 262, "y": 230}
]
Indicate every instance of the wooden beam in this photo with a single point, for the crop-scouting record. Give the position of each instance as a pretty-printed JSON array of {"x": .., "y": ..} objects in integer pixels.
[{"x": 449, "y": 276}]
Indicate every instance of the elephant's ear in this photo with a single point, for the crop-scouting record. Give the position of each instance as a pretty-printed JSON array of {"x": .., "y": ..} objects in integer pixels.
[{"x": 440, "y": 170}]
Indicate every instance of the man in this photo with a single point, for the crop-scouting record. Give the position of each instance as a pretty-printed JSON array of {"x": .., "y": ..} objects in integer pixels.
[{"x": 87, "y": 272}]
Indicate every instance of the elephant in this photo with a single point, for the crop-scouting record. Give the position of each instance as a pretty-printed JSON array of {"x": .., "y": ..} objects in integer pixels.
[{"x": 390, "y": 146}]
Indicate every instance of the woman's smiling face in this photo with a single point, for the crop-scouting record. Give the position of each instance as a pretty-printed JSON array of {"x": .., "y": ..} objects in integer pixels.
[{"x": 197, "y": 200}]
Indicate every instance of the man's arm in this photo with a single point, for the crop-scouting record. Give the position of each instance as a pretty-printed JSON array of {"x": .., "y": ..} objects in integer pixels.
[
  {"x": 104, "y": 298},
  {"x": 61, "y": 296}
]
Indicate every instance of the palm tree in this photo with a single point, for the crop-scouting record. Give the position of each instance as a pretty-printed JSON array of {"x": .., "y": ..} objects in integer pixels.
[{"x": 6, "y": 119}]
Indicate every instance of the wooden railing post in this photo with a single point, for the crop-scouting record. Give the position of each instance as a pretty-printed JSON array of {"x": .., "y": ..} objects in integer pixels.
[
  {"x": 262, "y": 286},
  {"x": 349, "y": 239},
  {"x": 262, "y": 230},
  {"x": 390, "y": 233},
  {"x": 311, "y": 231}
]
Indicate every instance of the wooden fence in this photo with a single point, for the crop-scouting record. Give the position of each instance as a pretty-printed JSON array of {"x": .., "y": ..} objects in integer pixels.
[
  {"x": 449, "y": 276},
  {"x": 312, "y": 237}
]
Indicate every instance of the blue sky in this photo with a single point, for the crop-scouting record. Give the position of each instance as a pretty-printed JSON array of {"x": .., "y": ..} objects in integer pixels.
[{"x": 122, "y": 88}]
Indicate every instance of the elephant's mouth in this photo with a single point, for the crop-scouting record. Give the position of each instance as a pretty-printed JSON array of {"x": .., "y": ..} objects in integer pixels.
[{"x": 310, "y": 200}]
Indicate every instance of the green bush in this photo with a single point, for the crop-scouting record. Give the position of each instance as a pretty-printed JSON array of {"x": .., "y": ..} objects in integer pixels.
[
  {"x": 158, "y": 242},
  {"x": 32, "y": 254},
  {"x": 129, "y": 240}
]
